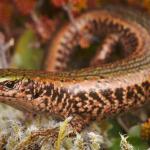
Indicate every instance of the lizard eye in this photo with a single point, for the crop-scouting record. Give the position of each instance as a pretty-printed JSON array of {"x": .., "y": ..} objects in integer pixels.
[{"x": 9, "y": 84}]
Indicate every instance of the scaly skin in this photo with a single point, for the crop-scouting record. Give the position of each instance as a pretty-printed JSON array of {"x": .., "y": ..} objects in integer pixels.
[{"x": 86, "y": 94}]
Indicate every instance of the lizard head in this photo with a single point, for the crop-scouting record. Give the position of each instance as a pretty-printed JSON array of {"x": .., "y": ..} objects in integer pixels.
[{"x": 14, "y": 89}]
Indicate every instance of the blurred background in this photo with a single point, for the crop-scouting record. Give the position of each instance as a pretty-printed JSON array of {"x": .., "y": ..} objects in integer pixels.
[{"x": 27, "y": 28}]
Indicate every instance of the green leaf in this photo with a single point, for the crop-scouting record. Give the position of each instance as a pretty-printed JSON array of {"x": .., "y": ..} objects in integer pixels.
[
  {"x": 134, "y": 131},
  {"x": 27, "y": 56}
]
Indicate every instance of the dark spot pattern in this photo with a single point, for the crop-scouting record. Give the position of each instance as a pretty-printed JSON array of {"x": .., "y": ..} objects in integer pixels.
[
  {"x": 82, "y": 96},
  {"x": 108, "y": 94},
  {"x": 146, "y": 85},
  {"x": 130, "y": 92},
  {"x": 119, "y": 94}
]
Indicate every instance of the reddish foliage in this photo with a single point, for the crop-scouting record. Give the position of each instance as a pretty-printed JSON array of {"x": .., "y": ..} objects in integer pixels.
[
  {"x": 44, "y": 26},
  {"x": 79, "y": 5},
  {"x": 5, "y": 13},
  {"x": 143, "y": 5},
  {"x": 92, "y": 3},
  {"x": 59, "y": 3},
  {"x": 25, "y": 6},
  {"x": 146, "y": 5}
]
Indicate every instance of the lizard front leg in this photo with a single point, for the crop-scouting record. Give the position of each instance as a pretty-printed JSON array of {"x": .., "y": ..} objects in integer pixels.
[{"x": 79, "y": 122}]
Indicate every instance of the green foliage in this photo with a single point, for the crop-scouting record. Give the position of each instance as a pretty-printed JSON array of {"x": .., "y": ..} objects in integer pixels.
[{"x": 27, "y": 54}]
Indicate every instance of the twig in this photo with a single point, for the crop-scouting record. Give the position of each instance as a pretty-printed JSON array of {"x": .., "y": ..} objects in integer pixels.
[{"x": 4, "y": 47}]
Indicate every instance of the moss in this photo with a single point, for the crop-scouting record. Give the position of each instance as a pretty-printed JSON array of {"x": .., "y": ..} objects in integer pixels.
[{"x": 19, "y": 133}]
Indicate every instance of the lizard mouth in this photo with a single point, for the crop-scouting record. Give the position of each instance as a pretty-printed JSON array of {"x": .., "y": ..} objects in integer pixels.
[{"x": 19, "y": 103}]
